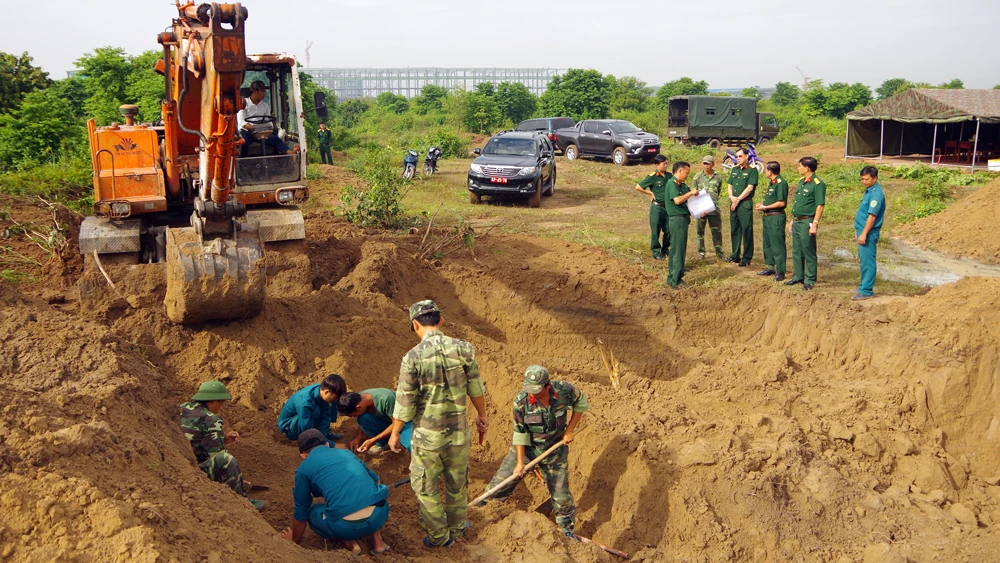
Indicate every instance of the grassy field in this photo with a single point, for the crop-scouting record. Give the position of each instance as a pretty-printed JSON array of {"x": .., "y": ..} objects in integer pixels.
[{"x": 595, "y": 203}]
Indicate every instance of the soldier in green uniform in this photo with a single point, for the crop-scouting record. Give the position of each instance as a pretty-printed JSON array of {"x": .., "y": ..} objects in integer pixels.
[
  {"x": 435, "y": 378},
  {"x": 742, "y": 185},
  {"x": 678, "y": 220},
  {"x": 545, "y": 413},
  {"x": 202, "y": 425},
  {"x": 654, "y": 186},
  {"x": 325, "y": 136},
  {"x": 773, "y": 222},
  {"x": 710, "y": 181},
  {"x": 810, "y": 197}
]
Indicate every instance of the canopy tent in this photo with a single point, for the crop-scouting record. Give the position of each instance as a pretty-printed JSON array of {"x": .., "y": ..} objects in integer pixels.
[{"x": 921, "y": 121}]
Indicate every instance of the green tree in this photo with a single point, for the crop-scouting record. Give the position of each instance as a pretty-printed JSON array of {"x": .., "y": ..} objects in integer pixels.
[
  {"x": 580, "y": 94},
  {"x": 395, "y": 103},
  {"x": 628, "y": 93},
  {"x": 482, "y": 115},
  {"x": 953, "y": 84},
  {"x": 431, "y": 98},
  {"x": 683, "y": 86},
  {"x": 74, "y": 91},
  {"x": 41, "y": 129},
  {"x": 113, "y": 78},
  {"x": 751, "y": 93},
  {"x": 997, "y": 87},
  {"x": 350, "y": 112},
  {"x": 836, "y": 99},
  {"x": 308, "y": 87},
  {"x": 515, "y": 101},
  {"x": 785, "y": 94},
  {"x": 893, "y": 86},
  {"x": 145, "y": 87},
  {"x": 18, "y": 77},
  {"x": 486, "y": 89}
]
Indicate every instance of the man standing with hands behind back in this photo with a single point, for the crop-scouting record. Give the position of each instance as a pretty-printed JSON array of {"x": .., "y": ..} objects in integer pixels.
[
  {"x": 742, "y": 184},
  {"x": 655, "y": 186},
  {"x": 867, "y": 226},
  {"x": 325, "y": 137},
  {"x": 435, "y": 378},
  {"x": 810, "y": 197}
]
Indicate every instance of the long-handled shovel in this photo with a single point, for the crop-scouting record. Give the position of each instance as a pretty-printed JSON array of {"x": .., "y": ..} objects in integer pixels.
[{"x": 513, "y": 478}]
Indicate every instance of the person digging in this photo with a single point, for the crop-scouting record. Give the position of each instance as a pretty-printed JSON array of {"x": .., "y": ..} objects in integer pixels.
[
  {"x": 202, "y": 426},
  {"x": 373, "y": 409},
  {"x": 546, "y": 412}
]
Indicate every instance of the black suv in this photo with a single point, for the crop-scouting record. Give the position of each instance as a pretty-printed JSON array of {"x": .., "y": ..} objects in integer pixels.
[
  {"x": 548, "y": 125},
  {"x": 514, "y": 163}
]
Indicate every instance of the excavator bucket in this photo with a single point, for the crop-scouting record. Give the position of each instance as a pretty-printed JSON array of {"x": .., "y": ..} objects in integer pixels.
[{"x": 213, "y": 279}]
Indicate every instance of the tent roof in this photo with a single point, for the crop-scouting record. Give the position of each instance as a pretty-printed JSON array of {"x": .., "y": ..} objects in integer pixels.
[{"x": 926, "y": 105}]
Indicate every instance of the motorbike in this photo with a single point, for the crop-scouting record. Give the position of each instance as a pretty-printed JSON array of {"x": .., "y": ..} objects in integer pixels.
[
  {"x": 431, "y": 161},
  {"x": 729, "y": 161},
  {"x": 410, "y": 164}
]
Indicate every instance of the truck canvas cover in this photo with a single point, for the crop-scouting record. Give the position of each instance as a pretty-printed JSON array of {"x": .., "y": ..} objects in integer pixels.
[{"x": 716, "y": 111}]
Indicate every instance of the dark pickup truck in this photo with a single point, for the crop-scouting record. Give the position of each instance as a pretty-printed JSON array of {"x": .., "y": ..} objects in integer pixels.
[{"x": 608, "y": 138}]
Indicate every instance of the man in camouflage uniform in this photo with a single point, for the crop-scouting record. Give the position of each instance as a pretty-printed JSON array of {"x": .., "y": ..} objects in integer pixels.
[
  {"x": 202, "y": 425},
  {"x": 434, "y": 380},
  {"x": 710, "y": 181},
  {"x": 545, "y": 413}
]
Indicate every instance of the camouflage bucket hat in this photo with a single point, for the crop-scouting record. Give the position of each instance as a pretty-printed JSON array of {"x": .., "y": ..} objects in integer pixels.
[
  {"x": 421, "y": 307},
  {"x": 535, "y": 379},
  {"x": 212, "y": 391}
]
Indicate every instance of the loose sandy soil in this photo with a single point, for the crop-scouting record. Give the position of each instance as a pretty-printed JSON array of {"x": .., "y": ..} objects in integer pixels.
[
  {"x": 966, "y": 228},
  {"x": 752, "y": 423}
]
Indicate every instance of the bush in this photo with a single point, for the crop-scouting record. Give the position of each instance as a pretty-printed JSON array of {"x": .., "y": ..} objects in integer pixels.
[
  {"x": 649, "y": 121},
  {"x": 380, "y": 204},
  {"x": 924, "y": 210},
  {"x": 677, "y": 152},
  {"x": 65, "y": 181}
]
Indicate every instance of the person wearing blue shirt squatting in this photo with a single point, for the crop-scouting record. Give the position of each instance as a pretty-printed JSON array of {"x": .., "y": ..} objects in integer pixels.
[
  {"x": 354, "y": 503},
  {"x": 314, "y": 406},
  {"x": 373, "y": 409},
  {"x": 867, "y": 226}
]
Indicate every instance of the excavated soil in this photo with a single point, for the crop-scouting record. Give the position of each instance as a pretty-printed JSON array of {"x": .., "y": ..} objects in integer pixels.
[
  {"x": 967, "y": 228},
  {"x": 751, "y": 424}
]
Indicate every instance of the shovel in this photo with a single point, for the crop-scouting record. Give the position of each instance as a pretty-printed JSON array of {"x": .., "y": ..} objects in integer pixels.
[{"x": 531, "y": 464}]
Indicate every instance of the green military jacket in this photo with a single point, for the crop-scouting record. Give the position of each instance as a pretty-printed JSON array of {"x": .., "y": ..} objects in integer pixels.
[
  {"x": 810, "y": 193},
  {"x": 712, "y": 185},
  {"x": 777, "y": 191},
  {"x": 740, "y": 178},
  {"x": 536, "y": 425},
  {"x": 435, "y": 378},
  {"x": 656, "y": 184},
  {"x": 203, "y": 429},
  {"x": 324, "y": 137},
  {"x": 675, "y": 190}
]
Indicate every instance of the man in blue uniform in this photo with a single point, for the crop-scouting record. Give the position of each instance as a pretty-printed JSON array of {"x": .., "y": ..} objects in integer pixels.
[
  {"x": 373, "y": 409},
  {"x": 867, "y": 226},
  {"x": 354, "y": 503},
  {"x": 314, "y": 406}
]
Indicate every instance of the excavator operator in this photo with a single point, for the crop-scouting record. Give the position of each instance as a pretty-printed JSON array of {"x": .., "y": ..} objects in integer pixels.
[{"x": 255, "y": 120}]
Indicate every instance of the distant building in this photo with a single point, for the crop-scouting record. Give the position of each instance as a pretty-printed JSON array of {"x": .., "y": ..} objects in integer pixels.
[
  {"x": 765, "y": 93},
  {"x": 352, "y": 83}
]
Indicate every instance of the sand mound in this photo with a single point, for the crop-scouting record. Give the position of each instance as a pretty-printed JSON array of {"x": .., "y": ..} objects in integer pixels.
[
  {"x": 966, "y": 228},
  {"x": 751, "y": 425}
]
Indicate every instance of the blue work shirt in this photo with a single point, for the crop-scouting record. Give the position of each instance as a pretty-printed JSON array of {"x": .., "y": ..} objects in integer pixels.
[
  {"x": 304, "y": 410},
  {"x": 344, "y": 481},
  {"x": 872, "y": 203}
]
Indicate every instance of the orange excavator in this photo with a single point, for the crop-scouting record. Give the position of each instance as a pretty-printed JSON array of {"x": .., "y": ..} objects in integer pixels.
[{"x": 204, "y": 192}]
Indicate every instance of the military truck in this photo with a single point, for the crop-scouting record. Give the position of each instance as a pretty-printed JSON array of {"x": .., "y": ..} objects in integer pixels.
[{"x": 717, "y": 121}]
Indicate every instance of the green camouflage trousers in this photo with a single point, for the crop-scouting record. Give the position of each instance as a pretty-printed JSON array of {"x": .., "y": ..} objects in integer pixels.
[
  {"x": 426, "y": 470},
  {"x": 224, "y": 468},
  {"x": 555, "y": 471}
]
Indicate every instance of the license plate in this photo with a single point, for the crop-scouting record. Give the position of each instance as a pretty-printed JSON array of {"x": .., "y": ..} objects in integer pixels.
[
  {"x": 650, "y": 150},
  {"x": 498, "y": 180}
]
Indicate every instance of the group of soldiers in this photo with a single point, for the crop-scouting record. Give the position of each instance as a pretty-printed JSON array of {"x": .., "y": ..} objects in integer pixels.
[
  {"x": 669, "y": 218},
  {"x": 427, "y": 416}
]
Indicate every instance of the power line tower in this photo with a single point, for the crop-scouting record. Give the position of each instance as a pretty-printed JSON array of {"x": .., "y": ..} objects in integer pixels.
[{"x": 309, "y": 45}]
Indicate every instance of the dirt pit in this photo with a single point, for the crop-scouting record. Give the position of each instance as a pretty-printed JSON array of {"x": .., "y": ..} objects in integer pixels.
[
  {"x": 751, "y": 423},
  {"x": 965, "y": 229}
]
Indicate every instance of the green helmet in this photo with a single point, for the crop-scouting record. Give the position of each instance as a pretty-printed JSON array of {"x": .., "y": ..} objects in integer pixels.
[{"x": 212, "y": 391}]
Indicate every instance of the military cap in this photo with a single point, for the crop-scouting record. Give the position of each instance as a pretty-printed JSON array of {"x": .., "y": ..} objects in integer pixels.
[
  {"x": 709, "y": 159},
  {"x": 421, "y": 307},
  {"x": 535, "y": 379},
  {"x": 212, "y": 391},
  {"x": 309, "y": 439}
]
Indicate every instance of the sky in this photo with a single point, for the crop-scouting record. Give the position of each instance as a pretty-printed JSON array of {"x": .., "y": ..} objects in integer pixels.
[{"x": 728, "y": 44}]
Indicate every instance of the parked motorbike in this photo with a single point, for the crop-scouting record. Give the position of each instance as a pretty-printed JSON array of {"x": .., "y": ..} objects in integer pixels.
[
  {"x": 410, "y": 163},
  {"x": 431, "y": 161},
  {"x": 729, "y": 161}
]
